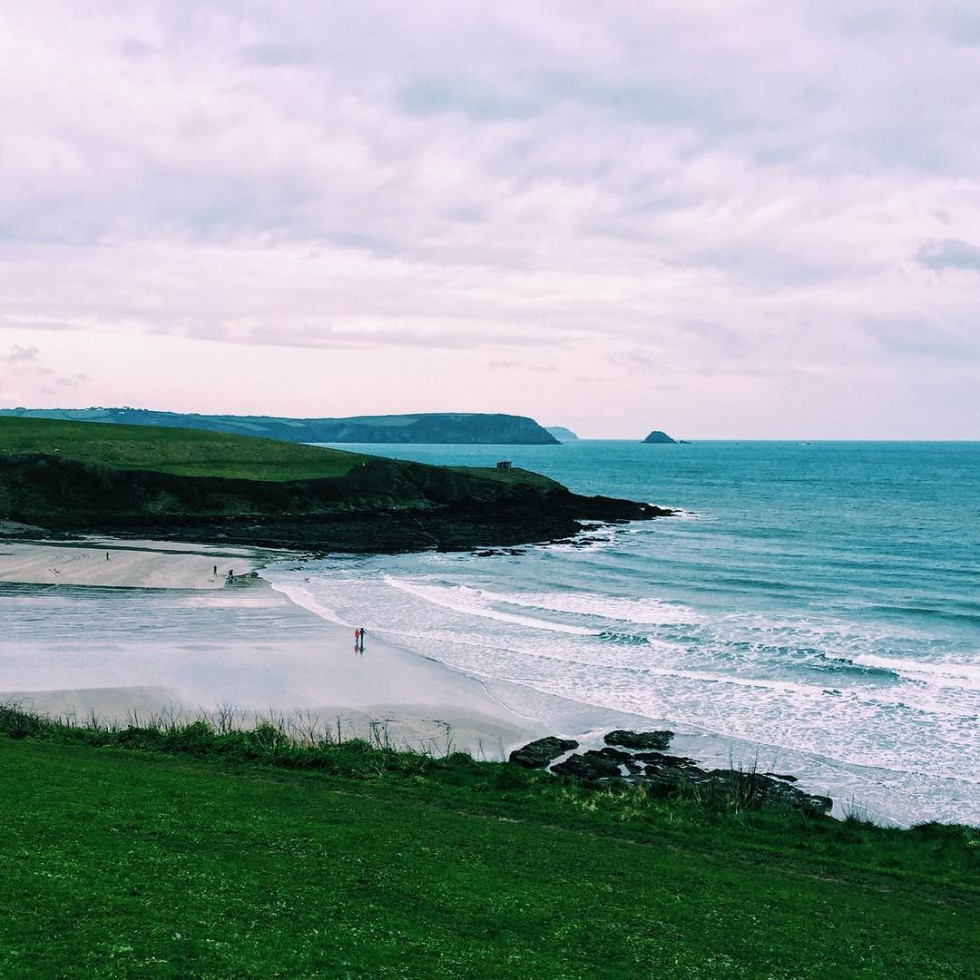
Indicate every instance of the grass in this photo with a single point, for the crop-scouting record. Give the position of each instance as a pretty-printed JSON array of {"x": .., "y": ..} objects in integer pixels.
[
  {"x": 180, "y": 452},
  {"x": 201, "y": 851},
  {"x": 512, "y": 476}
]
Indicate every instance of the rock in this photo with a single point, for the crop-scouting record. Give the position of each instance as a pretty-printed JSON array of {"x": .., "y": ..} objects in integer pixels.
[
  {"x": 659, "y": 759},
  {"x": 782, "y": 776},
  {"x": 537, "y": 754},
  {"x": 659, "y": 438},
  {"x": 591, "y": 766},
  {"x": 619, "y": 756},
  {"x": 639, "y": 740},
  {"x": 754, "y": 790}
]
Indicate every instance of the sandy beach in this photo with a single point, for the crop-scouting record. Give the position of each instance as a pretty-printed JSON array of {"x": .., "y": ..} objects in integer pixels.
[
  {"x": 129, "y": 564},
  {"x": 112, "y": 631}
]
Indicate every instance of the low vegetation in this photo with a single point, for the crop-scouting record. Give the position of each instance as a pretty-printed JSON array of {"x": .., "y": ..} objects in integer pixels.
[
  {"x": 179, "y": 452},
  {"x": 171, "y": 849}
]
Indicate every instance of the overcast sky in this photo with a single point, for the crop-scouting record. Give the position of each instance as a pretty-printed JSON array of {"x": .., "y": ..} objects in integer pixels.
[{"x": 721, "y": 219}]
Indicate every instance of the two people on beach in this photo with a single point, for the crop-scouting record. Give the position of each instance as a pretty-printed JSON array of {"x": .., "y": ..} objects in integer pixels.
[{"x": 359, "y": 640}]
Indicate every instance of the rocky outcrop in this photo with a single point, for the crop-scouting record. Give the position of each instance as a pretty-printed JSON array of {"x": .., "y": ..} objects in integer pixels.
[
  {"x": 537, "y": 754},
  {"x": 639, "y": 740},
  {"x": 636, "y": 758},
  {"x": 659, "y": 438},
  {"x": 590, "y": 766}
]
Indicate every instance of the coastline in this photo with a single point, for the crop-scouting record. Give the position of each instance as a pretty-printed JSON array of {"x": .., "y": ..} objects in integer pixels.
[
  {"x": 285, "y": 663},
  {"x": 242, "y": 648}
]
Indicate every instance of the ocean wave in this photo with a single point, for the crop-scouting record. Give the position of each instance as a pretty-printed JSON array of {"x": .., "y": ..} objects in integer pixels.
[
  {"x": 629, "y": 639},
  {"x": 646, "y": 611},
  {"x": 843, "y": 665},
  {"x": 475, "y": 602},
  {"x": 304, "y": 598},
  {"x": 949, "y": 674}
]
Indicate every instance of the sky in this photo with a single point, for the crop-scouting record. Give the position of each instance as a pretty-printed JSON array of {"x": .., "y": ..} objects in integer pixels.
[{"x": 726, "y": 219}]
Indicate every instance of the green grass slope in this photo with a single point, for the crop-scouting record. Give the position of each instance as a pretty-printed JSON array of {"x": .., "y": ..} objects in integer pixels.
[
  {"x": 179, "y": 452},
  {"x": 126, "y": 863}
]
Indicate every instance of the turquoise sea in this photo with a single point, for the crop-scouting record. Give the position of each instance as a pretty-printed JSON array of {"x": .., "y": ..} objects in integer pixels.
[{"x": 814, "y": 608}]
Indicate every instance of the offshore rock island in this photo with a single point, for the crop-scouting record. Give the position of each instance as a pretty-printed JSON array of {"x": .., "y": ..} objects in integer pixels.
[{"x": 187, "y": 485}]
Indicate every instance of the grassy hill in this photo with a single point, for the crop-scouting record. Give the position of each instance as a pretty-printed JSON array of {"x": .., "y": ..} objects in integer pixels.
[
  {"x": 185, "y": 484},
  {"x": 182, "y": 452},
  {"x": 372, "y": 863}
]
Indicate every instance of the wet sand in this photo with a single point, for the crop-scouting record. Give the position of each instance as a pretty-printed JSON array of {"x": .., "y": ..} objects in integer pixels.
[{"x": 133, "y": 643}]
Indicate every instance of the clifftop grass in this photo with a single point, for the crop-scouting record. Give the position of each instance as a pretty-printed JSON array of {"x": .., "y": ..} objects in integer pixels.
[
  {"x": 179, "y": 452},
  {"x": 200, "y": 852}
]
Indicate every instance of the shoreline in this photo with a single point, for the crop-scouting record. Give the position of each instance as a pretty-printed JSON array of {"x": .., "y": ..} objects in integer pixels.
[
  {"x": 316, "y": 677},
  {"x": 412, "y": 700},
  {"x": 282, "y": 661}
]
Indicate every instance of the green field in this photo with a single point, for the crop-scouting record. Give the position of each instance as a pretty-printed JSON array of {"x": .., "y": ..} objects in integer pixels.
[
  {"x": 181, "y": 452},
  {"x": 371, "y": 863}
]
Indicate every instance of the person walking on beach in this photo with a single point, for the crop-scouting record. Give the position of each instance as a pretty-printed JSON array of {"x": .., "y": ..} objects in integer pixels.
[
  {"x": 215, "y": 572},
  {"x": 361, "y": 639},
  {"x": 357, "y": 640}
]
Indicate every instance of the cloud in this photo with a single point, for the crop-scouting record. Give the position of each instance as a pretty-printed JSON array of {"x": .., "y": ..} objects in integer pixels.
[
  {"x": 20, "y": 355},
  {"x": 721, "y": 191},
  {"x": 949, "y": 253}
]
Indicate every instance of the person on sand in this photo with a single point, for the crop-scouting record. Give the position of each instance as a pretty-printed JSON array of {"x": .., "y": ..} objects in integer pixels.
[
  {"x": 357, "y": 640},
  {"x": 215, "y": 572},
  {"x": 361, "y": 639},
  {"x": 107, "y": 556}
]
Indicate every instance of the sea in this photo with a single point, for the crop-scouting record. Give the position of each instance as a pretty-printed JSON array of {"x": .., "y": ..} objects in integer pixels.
[{"x": 813, "y": 608}]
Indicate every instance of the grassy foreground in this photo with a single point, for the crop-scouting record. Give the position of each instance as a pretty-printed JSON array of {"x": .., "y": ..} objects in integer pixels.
[{"x": 199, "y": 852}]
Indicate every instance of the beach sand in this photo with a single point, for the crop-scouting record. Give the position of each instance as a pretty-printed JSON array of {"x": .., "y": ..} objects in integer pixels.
[
  {"x": 129, "y": 564},
  {"x": 136, "y": 644}
]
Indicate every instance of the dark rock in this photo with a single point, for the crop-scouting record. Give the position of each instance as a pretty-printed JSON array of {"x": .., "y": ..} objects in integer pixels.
[
  {"x": 754, "y": 790},
  {"x": 639, "y": 740},
  {"x": 782, "y": 776},
  {"x": 665, "y": 761},
  {"x": 537, "y": 754},
  {"x": 660, "y": 438},
  {"x": 590, "y": 766},
  {"x": 619, "y": 756}
]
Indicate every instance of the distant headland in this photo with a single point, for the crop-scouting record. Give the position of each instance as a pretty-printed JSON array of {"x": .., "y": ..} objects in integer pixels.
[
  {"x": 450, "y": 428},
  {"x": 561, "y": 433}
]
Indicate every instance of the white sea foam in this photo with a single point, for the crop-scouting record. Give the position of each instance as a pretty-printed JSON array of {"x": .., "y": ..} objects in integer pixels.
[
  {"x": 474, "y": 602},
  {"x": 958, "y": 675},
  {"x": 304, "y": 598},
  {"x": 647, "y": 611}
]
